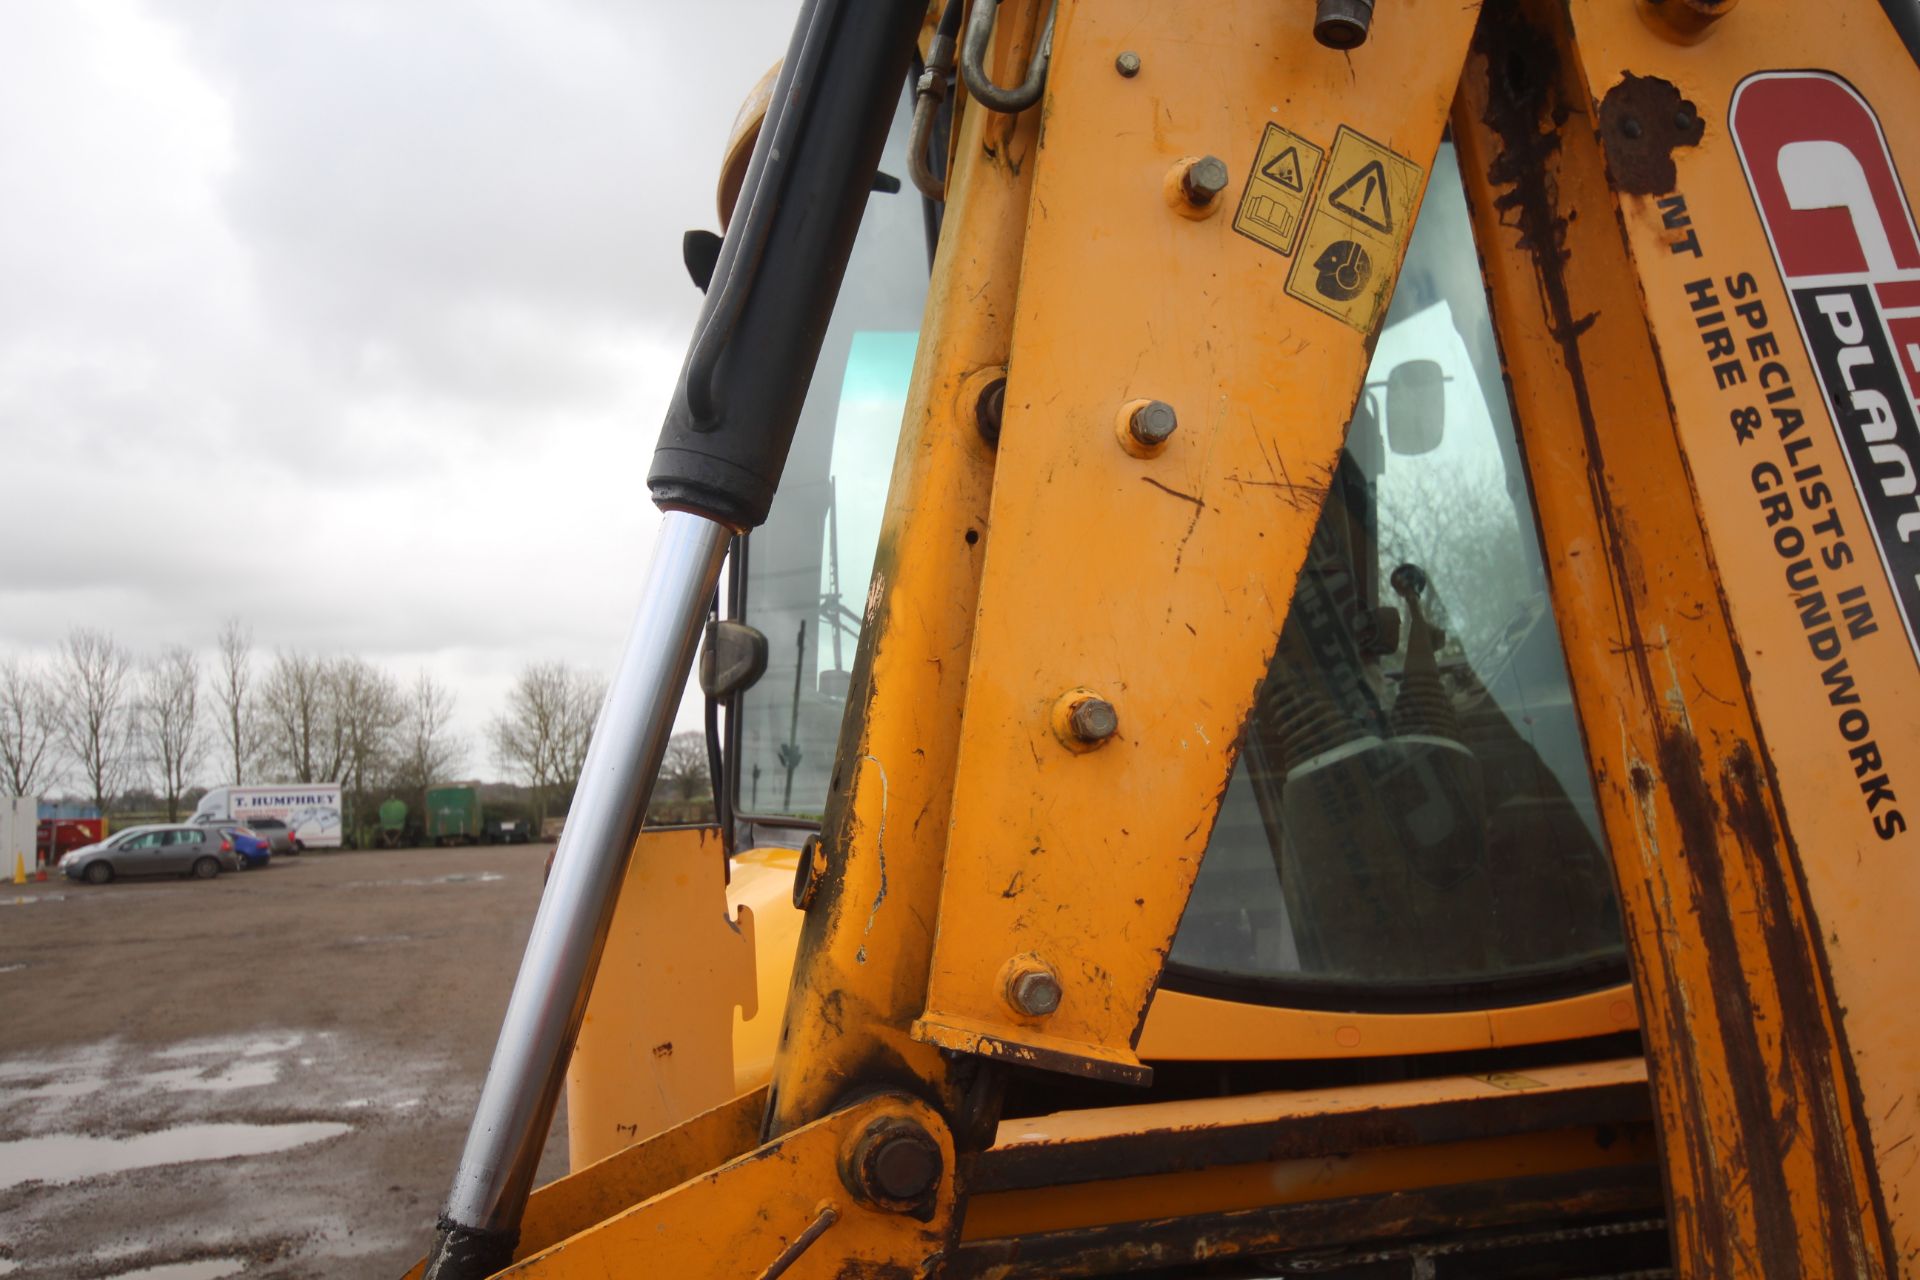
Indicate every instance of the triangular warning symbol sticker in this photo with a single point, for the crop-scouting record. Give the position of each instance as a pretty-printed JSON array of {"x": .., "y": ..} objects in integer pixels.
[
  {"x": 1284, "y": 169},
  {"x": 1364, "y": 196}
]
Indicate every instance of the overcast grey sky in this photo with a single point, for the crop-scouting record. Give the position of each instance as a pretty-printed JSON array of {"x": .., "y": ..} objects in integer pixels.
[{"x": 356, "y": 319}]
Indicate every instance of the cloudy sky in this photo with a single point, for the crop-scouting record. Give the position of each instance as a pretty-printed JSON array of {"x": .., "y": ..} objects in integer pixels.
[{"x": 354, "y": 319}]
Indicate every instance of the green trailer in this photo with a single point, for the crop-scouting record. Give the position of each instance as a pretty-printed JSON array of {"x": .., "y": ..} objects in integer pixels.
[
  {"x": 453, "y": 815},
  {"x": 393, "y": 823}
]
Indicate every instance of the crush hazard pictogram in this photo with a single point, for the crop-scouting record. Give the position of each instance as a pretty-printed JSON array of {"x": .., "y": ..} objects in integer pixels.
[
  {"x": 1273, "y": 205},
  {"x": 1285, "y": 169},
  {"x": 1364, "y": 195}
]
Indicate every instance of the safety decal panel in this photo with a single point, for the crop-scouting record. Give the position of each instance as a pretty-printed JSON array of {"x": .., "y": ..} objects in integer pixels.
[
  {"x": 1273, "y": 204},
  {"x": 1357, "y": 227}
]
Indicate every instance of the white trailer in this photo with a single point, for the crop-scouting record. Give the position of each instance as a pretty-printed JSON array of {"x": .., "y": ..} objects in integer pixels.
[
  {"x": 19, "y": 833},
  {"x": 310, "y": 810}
]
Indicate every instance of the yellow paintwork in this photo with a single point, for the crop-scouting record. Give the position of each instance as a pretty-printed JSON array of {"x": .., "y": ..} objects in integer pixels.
[
  {"x": 1240, "y": 1186},
  {"x": 1764, "y": 920},
  {"x": 1180, "y": 1026},
  {"x": 1764, "y": 1158},
  {"x": 1158, "y": 583},
  {"x": 595, "y": 1192},
  {"x": 737, "y": 1219},
  {"x": 656, "y": 1046},
  {"x": 1860, "y": 890},
  {"x": 863, "y": 951}
]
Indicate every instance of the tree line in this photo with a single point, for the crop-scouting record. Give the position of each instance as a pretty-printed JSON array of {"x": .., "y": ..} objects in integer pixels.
[{"x": 94, "y": 717}]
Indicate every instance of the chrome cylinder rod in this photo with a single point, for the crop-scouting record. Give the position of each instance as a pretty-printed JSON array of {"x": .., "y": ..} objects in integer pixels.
[{"x": 481, "y": 1221}]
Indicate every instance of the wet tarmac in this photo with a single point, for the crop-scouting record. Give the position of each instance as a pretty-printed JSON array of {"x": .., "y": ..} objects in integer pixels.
[{"x": 269, "y": 1074}]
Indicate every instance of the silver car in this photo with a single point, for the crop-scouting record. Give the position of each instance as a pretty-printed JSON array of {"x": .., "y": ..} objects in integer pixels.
[{"x": 176, "y": 849}]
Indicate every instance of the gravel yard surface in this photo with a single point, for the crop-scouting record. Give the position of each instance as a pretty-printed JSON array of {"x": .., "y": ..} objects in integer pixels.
[{"x": 265, "y": 1074}]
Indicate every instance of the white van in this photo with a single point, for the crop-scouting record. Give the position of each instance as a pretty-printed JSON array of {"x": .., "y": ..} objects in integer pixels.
[{"x": 310, "y": 810}]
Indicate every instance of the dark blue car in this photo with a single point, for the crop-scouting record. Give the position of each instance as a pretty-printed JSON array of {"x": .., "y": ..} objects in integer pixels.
[{"x": 250, "y": 847}]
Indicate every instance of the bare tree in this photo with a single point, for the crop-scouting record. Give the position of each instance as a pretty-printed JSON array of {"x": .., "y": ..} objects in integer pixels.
[
  {"x": 428, "y": 750},
  {"x": 584, "y": 696},
  {"x": 170, "y": 732},
  {"x": 308, "y": 744},
  {"x": 239, "y": 717},
  {"x": 96, "y": 710},
  {"x": 29, "y": 723},
  {"x": 366, "y": 711},
  {"x": 541, "y": 738},
  {"x": 1460, "y": 526},
  {"x": 684, "y": 770}
]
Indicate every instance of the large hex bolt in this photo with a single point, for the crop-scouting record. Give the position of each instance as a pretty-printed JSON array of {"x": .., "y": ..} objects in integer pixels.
[
  {"x": 1204, "y": 179},
  {"x": 895, "y": 1165},
  {"x": 989, "y": 409},
  {"x": 1152, "y": 424},
  {"x": 1033, "y": 991},
  {"x": 1093, "y": 720},
  {"x": 1083, "y": 721},
  {"x": 1342, "y": 24}
]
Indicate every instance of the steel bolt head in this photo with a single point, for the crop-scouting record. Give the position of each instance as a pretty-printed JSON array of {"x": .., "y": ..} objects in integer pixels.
[
  {"x": 1035, "y": 993},
  {"x": 1094, "y": 720},
  {"x": 1342, "y": 24},
  {"x": 1153, "y": 423},
  {"x": 989, "y": 409},
  {"x": 1127, "y": 64},
  {"x": 896, "y": 1165},
  {"x": 1205, "y": 178}
]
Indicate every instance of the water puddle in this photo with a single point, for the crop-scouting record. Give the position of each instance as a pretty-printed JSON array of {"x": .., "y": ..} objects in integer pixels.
[
  {"x": 237, "y": 1063},
  {"x": 457, "y": 877},
  {"x": 27, "y": 900},
  {"x": 240, "y": 1075},
  {"x": 11, "y": 968},
  {"x": 204, "y": 1269},
  {"x": 234, "y": 1046},
  {"x": 70, "y": 1157},
  {"x": 78, "y": 1087}
]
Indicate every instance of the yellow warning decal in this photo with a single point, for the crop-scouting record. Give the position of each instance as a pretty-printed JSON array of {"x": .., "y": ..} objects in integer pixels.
[
  {"x": 1355, "y": 231},
  {"x": 1273, "y": 205}
]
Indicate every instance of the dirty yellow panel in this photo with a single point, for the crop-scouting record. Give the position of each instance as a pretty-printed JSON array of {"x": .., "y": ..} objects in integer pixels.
[
  {"x": 861, "y": 962},
  {"x": 1156, "y": 582},
  {"x": 1781, "y": 269},
  {"x": 657, "y": 1043},
  {"x": 1657, "y": 586}
]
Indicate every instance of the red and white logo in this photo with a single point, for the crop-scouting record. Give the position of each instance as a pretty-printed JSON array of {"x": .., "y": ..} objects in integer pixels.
[{"x": 1844, "y": 240}]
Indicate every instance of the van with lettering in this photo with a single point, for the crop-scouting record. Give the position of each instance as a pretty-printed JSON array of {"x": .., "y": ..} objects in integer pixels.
[{"x": 310, "y": 811}]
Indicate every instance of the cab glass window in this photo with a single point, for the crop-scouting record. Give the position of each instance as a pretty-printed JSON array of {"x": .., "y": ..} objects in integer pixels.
[
  {"x": 1411, "y": 814},
  {"x": 807, "y": 567},
  {"x": 1410, "y": 820}
]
